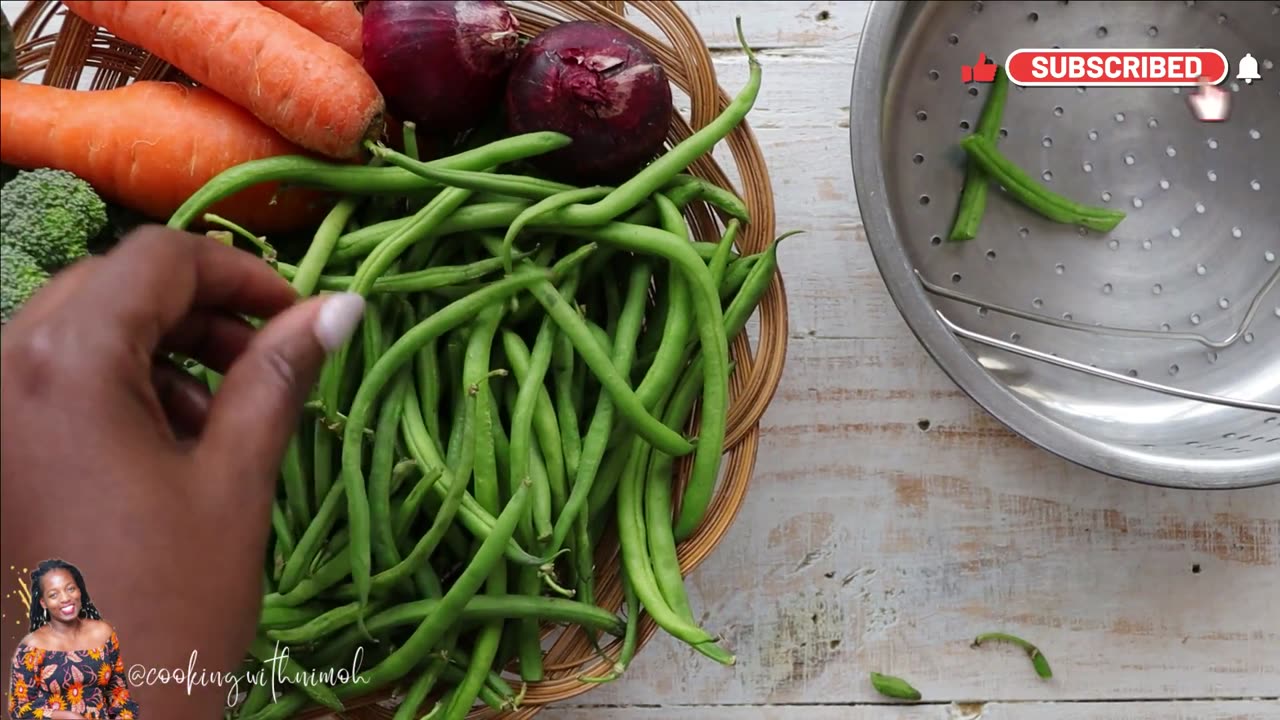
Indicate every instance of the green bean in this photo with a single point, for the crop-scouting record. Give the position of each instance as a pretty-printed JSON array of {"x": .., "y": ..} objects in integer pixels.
[
  {"x": 413, "y": 281},
  {"x": 731, "y": 204},
  {"x": 735, "y": 275},
  {"x": 474, "y": 680},
  {"x": 398, "y": 354},
  {"x": 1038, "y": 660},
  {"x": 521, "y": 186},
  {"x": 332, "y": 547},
  {"x": 464, "y": 588},
  {"x": 453, "y": 497},
  {"x": 485, "y": 693},
  {"x": 533, "y": 411},
  {"x": 630, "y": 637},
  {"x": 428, "y": 366},
  {"x": 973, "y": 198},
  {"x": 657, "y": 508},
  {"x": 595, "y": 441},
  {"x": 607, "y": 479},
  {"x": 401, "y": 472},
  {"x": 258, "y": 697},
  {"x": 312, "y": 539},
  {"x": 383, "y": 536},
  {"x": 321, "y": 459},
  {"x": 656, "y": 174},
  {"x": 324, "y": 174},
  {"x": 753, "y": 288},
  {"x": 281, "y": 708},
  {"x": 614, "y": 382},
  {"x": 481, "y": 217},
  {"x": 475, "y": 366},
  {"x": 454, "y": 351},
  {"x": 275, "y": 618},
  {"x": 421, "y": 688},
  {"x": 575, "y": 517},
  {"x": 473, "y": 517},
  {"x": 715, "y": 351},
  {"x": 894, "y": 687},
  {"x": 612, "y": 309},
  {"x": 295, "y": 486},
  {"x": 535, "y": 188},
  {"x": 638, "y": 565},
  {"x": 566, "y": 414},
  {"x": 501, "y": 445},
  {"x": 284, "y": 535},
  {"x": 480, "y": 609},
  {"x": 673, "y": 348},
  {"x": 542, "y": 207},
  {"x": 307, "y": 273},
  {"x": 1035, "y": 195},
  {"x": 408, "y": 508},
  {"x": 529, "y": 580},
  {"x": 290, "y": 668},
  {"x": 720, "y": 261},
  {"x": 319, "y": 626}
]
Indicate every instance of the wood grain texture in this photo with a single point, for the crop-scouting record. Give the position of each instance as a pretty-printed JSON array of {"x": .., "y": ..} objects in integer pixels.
[
  {"x": 1242, "y": 710},
  {"x": 891, "y": 519}
]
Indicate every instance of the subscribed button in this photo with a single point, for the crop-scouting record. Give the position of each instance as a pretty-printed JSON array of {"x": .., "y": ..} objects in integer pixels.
[{"x": 1116, "y": 68}]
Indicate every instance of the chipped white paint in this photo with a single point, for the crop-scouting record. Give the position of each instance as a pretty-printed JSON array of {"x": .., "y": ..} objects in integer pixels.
[{"x": 871, "y": 543}]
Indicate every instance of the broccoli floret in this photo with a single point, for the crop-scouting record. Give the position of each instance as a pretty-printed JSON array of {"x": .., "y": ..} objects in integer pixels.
[
  {"x": 51, "y": 215},
  {"x": 20, "y": 277}
]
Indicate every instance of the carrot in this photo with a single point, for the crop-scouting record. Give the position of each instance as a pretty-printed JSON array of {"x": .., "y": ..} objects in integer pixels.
[
  {"x": 337, "y": 21},
  {"x": 150, "y": 145},
  {"x": 309, "y": 90}
]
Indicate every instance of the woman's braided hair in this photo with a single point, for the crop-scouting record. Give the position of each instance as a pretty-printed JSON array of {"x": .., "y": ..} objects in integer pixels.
[{"x": 38, "y": 615}]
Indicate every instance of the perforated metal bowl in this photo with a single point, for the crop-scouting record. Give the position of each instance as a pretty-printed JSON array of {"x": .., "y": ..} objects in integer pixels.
[{"x": 1151, "y": 352}]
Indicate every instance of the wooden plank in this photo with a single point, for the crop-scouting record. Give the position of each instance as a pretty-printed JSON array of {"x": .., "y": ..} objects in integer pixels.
[
  {"x": 869, "y": 543},
  {"x": 1213, "y": 710}
]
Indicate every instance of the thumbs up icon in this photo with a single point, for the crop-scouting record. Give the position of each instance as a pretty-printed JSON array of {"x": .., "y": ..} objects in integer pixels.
[{"x": 983, "y": 71}]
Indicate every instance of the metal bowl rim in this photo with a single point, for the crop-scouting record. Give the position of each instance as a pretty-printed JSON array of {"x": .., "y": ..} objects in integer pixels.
[{"x": 871, "y": 63}]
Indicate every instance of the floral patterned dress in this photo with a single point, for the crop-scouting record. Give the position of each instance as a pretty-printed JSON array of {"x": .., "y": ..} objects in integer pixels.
[{"x": 89, "y": 682}]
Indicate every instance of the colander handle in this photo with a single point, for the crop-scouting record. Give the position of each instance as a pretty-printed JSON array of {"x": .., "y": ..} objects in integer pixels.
[{"x": 1105, "y": 374}]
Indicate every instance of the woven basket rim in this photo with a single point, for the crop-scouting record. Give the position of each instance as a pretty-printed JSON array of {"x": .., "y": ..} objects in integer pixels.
[{"x": 67, "y": 55}]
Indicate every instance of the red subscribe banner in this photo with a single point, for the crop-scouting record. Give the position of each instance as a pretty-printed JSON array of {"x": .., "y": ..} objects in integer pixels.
[{"x": 1115, "y": 68}]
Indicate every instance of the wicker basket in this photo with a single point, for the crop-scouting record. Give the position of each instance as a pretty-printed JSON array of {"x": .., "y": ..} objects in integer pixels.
[{"x": 78, "y": 54}]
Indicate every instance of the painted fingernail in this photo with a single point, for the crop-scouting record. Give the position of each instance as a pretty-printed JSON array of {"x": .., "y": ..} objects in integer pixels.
[{"x": 338, "y": 318}]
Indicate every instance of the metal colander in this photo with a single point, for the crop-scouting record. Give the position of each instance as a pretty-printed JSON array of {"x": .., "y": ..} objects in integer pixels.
[{"x": 1151, "y": 352}]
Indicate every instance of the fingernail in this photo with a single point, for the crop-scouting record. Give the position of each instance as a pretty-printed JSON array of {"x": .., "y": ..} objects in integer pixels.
[{"x": 338, "y": 318}]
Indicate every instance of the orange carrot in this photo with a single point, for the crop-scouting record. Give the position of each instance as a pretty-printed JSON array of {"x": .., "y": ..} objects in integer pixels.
[
  {"x": 149, "y": 146},
  {"x": 337, "y": 21},
  {"x": 309, "y": 90}
]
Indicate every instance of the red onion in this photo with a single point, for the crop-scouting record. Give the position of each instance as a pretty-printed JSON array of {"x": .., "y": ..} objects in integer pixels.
[
  {"x": 440, "y": 64},
  {"x": 600, "y": 86}
]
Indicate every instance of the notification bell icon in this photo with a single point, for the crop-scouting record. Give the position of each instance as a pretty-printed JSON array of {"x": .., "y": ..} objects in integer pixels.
[{"x": 1248, "y": 69}]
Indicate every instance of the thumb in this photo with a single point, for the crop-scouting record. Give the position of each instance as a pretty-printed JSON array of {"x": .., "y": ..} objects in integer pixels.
[{"x": 255, "y": 411}]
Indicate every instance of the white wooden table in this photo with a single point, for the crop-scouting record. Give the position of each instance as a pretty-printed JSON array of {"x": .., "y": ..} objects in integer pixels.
[{"x": 891, "y": 519}]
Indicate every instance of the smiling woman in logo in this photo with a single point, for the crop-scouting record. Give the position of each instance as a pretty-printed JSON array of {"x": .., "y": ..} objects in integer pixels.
[{"x": 69, "y": 666}]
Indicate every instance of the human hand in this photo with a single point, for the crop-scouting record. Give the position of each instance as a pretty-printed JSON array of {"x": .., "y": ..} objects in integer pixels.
[{"x": 124, "y": 464}]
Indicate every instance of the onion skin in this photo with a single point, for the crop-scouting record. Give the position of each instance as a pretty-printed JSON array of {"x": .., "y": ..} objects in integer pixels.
[
  {"x": 600, "y": 86},
  {"x": 439, "y": 63}
]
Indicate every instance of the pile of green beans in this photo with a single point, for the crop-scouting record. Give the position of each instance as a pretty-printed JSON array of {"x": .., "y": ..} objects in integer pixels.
[{"x": 525, "y": 378}]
